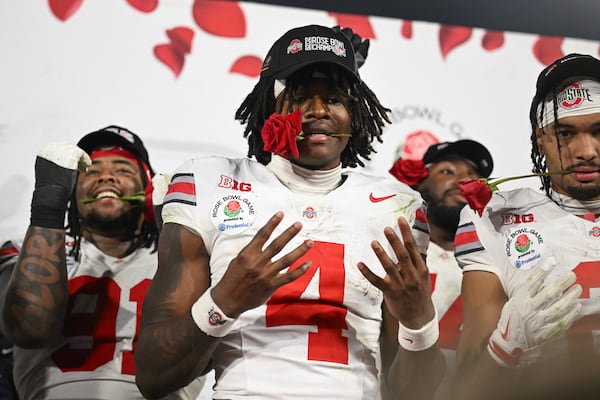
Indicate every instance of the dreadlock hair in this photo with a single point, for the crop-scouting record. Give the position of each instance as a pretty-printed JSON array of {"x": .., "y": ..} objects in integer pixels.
[
  {"x": 147, "y": 238},
  {"x": 368, "y": 115},
  {"x": 536, "y": 118}
]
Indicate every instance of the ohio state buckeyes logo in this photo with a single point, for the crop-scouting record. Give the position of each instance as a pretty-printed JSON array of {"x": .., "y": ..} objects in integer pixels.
[
  {"x": 294, "y": 46},
  {"x": 573, "y": 95}
]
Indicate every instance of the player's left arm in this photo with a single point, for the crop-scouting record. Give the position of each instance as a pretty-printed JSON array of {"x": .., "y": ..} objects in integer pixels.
[{"x": 412, "y": 363}]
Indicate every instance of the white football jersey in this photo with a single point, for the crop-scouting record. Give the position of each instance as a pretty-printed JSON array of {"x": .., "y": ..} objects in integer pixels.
[
  {"x": 446, "y": 279},
  {"x": 519, "y": 230},
  {"x": 93, "y": 359},
  {"x": 318, "y": 336}
]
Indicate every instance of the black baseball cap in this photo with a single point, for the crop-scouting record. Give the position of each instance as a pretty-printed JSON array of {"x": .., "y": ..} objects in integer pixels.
[
  {"x": 306, "y": 45},
  {"x": 474, "y": 152},
  {"x": 570, "y": 66},
  {"x": 118, "y": 137}
]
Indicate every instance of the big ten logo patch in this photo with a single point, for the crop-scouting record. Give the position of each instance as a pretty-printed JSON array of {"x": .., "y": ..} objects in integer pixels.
[
  {"x": 230, "y": 183},
  {"x": 514, "y": 219}
]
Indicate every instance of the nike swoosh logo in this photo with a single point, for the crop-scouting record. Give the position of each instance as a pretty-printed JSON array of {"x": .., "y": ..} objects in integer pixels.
[
  {"x": 409, "y": 340},
  {"x": 378, "y": 199},
  {"x": 504, "y": 335}
]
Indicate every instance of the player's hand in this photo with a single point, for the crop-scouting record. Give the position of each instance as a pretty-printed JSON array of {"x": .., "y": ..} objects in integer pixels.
[
  {"x": 160, "y": 185},
  {"x": 360, "y": 46},
  {"x": 254, "y": 275},
  {"x": 406, "y": 287},
  {"x": 66, "y": 155},
  {"x": 536, "y": 314},
  {"x": 56, "y": 168}
]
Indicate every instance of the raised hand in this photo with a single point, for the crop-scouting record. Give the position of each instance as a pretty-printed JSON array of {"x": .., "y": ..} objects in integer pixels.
[
  {"x": 56, "y": 169},
  {"x": 253, "y": 276},
  {"x": 360, "y": 46},
  {"x": 536, "y": 314},
  {"x": 160, "y": 185},
  {"x": 406, "y": 287}
]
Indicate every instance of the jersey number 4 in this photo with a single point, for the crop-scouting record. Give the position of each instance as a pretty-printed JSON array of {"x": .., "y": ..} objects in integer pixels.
[
  {"x": 327, "y": 313},
  {"x": 91, "y": 328}
]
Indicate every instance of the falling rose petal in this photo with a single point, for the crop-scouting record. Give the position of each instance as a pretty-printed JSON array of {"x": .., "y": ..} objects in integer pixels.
[
  {"x": 63, "y": 9},
  {"x": 547, "y": 49},
  {"x": 170, "y": 56},
  {"x": 453, "y": 36},
  {"x": 247, "y": 65},
  {"x": 210, "y": 14},
  {"x": 360, "y": 24},
  {"x": 146, "y": 6},
  {"x": 406, "y": 30},
  {"x": 181, "y": 37},
  {"x": 492, "y": 40}
]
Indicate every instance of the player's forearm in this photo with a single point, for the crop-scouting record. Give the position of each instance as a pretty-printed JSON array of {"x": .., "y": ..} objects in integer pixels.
[
  {"x": 480, "y": 377},
  {"x": 36, "y": 298},
  {"x": 170, "y": 354},
  {"x": 414, "y": 374}
]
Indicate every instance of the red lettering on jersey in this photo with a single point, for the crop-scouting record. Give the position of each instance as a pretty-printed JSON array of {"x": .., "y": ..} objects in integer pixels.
[
  {"x": 580, "y": 335},
  {"x": 230, "y": 183},
  {"x": 327, "y": 313},
  {"x": 91, "y": 322},
  {"x": 514, "y": 219},
  {"x": 451, "y": 321}
]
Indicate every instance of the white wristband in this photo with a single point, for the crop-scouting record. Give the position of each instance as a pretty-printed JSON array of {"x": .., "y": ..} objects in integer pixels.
[
  {"x": 209, "y": 317},
  {"x": 419, "y": 339}
]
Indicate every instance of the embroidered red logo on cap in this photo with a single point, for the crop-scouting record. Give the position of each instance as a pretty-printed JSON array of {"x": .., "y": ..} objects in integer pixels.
[{"x": 294, "y": 46}]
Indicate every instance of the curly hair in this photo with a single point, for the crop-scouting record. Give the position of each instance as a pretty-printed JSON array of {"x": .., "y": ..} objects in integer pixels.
[
  {"x": 146, "y": 238},
  {"x": 368, "y": 115}
]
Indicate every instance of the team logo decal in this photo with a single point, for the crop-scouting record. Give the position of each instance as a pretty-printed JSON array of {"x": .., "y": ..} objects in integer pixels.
[
  {"x": 233, "y": 214},
  {"x": 573, "y": 95},
  {"x": 294, "y": 47},
  {"x": 309, "y": 213},
  {"x": 594, "y": 232},
  {"x": 524, "y": 248}
]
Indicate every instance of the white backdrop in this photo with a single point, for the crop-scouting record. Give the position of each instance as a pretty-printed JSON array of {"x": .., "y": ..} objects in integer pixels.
[{"x": 60, "y": 79}]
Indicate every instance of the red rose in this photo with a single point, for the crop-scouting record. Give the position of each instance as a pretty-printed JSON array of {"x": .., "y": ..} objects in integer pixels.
[
  {"x": 410, "y": 172},
  {"x": 233, "y": 206},
  {"x": 477, "y": 192},
  {"x": 280, "y": 132}
]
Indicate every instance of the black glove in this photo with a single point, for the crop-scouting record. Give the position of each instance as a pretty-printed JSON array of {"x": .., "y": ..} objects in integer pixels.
[
  {"x": 360, "y": 46},
  {"x": 56, "y": 168}
]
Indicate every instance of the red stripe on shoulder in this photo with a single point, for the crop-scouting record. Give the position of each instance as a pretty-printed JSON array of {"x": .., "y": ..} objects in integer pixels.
[
  {"x": 466, "y": 237},
  {"x": 182, "y": 187}
]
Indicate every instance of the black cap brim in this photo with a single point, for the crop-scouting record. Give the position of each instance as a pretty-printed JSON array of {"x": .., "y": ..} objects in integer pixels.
[
  {"x": 107, "y": 137},
  {"x": 569, "y": 66},
  {"x": 478, "y": 155}
]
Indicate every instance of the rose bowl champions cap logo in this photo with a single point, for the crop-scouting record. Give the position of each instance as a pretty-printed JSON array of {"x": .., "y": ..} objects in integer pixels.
[
  {"x": 317, "y": 43},
  {"x": 123, "y": 133}
]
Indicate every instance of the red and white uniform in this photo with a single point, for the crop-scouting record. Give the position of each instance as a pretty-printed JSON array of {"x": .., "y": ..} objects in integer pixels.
[
  {"x": 519, "y": 230},
  {"x": 94, "y": 357},
  {"x": 446, "y": 279},
  {"x": 318, "y": 336}
]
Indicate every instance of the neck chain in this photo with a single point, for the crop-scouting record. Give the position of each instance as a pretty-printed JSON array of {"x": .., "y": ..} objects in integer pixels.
[{"x": 303, "y": 180}]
